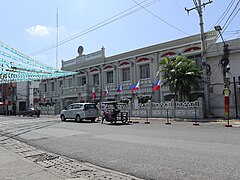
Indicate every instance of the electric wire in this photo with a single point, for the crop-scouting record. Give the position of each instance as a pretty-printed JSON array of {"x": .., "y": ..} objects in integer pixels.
[
  {"x": 107, "y": 21},
  {"x": 229, "y": 19},
  {"x": 162, "y": 20},
  {"x": 221, "y": 18},
  {"x": 231, "y": 32}
]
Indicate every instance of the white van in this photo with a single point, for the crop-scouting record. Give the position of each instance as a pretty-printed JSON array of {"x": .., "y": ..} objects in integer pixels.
[{"x": 80, "y": 111}]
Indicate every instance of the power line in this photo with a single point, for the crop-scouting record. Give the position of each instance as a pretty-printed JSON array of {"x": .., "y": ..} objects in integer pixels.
[
  {"x": 225, "y": 24},
  {"x": 160, "y": 18},
  {"x": 114, "y": 18},
  {"x": 234, "y": 15},
  {"x": 225, "y": 12},
  {"x": 228, "y": 23}
]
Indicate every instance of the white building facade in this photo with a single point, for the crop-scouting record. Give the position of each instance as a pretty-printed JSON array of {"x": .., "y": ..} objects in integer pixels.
[{"x": 97, "y": 72}]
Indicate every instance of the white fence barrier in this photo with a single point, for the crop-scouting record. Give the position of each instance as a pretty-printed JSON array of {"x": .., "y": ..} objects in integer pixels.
[{"x": 171, "y": 109}]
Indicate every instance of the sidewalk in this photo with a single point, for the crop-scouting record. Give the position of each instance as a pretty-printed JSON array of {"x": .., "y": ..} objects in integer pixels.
[
  {"x": 14, "y": 166},
  {"x": 19, "y": 161}
]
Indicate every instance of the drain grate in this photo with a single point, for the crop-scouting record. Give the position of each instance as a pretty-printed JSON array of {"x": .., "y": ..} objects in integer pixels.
[
  {"x": 54, "y": 162},
  {"x": 42, "y": 157},
  {"x": 83, "y": 173},
  {"x": 8, "y": 142},
  {"x": 29, "y": 154},
  {"x": 78, "y": 170},
  {"x": 68, "y": 167},
  {"x": 20, "y": 148}
]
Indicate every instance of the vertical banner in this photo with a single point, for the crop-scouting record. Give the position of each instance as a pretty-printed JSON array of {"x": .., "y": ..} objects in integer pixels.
[
  {"x": 238, "y": 97},
  {"x": 226, "y": 106},
  {"x": 226, "y": 102}
]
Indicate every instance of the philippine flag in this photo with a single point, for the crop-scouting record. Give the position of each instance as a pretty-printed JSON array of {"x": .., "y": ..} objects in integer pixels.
[
  {"x": 44, "y": 98},
  {"x": 156, "y": 86},
  {"x": 119, "y": 89},
  {"x": 105, "y": 92},
  {"x": 93, "y": 93},
  {"x": 135, "y": 87}
]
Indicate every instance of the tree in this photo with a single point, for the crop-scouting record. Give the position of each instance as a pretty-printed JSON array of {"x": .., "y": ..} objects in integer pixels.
[{"x": 181, "y": 75}]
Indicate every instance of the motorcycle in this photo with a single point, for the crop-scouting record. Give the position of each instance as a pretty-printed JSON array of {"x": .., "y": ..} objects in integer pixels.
[{"x": 112, "y": 114}]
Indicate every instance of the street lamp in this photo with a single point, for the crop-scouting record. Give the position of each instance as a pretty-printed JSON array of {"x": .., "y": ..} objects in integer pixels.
[{"x": 225, "y": 70}]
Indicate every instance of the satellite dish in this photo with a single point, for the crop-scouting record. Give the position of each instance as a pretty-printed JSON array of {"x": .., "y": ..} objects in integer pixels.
[{"x": 80, "y": 50}]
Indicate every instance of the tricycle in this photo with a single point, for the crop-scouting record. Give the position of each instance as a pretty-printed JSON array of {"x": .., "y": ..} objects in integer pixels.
[{"x": 112, "y": 114}]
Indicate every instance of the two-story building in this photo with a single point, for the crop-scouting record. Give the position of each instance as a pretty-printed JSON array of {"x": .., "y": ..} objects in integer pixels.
[{"x": 97, "y": 72}]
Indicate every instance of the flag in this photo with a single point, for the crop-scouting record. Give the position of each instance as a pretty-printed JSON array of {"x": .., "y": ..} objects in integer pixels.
[
  {"x": 105, "y": 91},
  {"x": 44, "y": 98},
  {"x": 119, "y": 89},
  {"x": 93, "y": 93},
  {"x": 135, "y": 87},
  {"x": 156, "y": 86}
]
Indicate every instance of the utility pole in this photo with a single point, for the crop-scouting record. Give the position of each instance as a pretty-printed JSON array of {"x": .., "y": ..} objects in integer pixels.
[
  {"x": 224, "y": 62},
  {"x": 198, "y": 7}
]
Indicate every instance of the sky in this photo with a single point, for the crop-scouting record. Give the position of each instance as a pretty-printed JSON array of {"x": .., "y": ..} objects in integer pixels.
[{"x": 30, "y": 26}]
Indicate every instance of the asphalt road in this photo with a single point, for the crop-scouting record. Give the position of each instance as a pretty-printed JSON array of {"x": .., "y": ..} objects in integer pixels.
[{"x": 155, "y": 151}]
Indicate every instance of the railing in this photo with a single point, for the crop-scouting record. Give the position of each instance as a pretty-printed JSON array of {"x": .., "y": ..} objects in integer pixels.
[
  {"x": 167, "y": 109},
  {"x": 171, "y": 109},
  {"x": 47, "y": 110}
]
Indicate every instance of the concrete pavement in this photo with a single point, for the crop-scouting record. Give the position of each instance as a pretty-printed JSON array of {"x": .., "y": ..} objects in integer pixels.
[
  {"x": 19, "y": 161},
  {"x": 13, "y": 166}
]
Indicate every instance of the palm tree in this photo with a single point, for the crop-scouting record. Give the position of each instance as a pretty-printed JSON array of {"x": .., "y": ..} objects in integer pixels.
[{"x": 181, "y": 75}]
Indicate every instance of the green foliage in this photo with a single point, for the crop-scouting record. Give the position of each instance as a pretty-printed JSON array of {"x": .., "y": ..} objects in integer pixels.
[
  {"x": 125, "y": 100},
  {"x": 143, "y": 99},
  {"x": 180, "y": 75}
]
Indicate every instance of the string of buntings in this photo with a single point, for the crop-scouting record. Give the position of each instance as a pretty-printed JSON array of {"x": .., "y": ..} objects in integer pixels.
[
  {"x": 12, "y": 65},
  {"x": 16, "y": 67},
  {"x": 28, "y": 59}
]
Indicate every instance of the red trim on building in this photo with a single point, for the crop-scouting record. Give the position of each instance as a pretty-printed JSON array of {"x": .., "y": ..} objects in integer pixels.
[
  {"x": 192, "y": 49},
  {"x": 108, "y": 67},
  {"x": 168, "y": 54},
  {"x": 124, "y": 63},
  {"x": 143, "y": 59},
  {"x": 94, "y": 69}
]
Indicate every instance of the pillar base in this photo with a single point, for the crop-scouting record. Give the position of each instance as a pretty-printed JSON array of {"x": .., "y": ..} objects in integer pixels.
[
  {"x": 228, "y": 125},
  {"x": 195, "y": 124},
  {"x": 135, "y": 122},
  {"x": 168, "y": 123}
]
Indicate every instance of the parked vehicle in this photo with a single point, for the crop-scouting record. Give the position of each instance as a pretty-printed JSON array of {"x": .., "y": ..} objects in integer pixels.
[
  {"x": 80, "y": 111},
  {"x": 112, "y": 114},
  {"x": 30, "y": 112}
]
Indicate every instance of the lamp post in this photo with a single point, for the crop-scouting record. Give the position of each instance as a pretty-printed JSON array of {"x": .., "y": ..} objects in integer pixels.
[{"x": 225, "y": 70}]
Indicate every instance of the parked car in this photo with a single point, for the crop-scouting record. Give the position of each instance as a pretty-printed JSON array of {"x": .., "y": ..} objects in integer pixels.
[
  {"x": 80, "y": 111},
  {"x": 30, "y": 112}
]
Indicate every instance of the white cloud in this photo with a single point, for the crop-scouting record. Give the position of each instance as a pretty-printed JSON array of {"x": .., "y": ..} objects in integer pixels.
[{"x": 39, "y": 30}]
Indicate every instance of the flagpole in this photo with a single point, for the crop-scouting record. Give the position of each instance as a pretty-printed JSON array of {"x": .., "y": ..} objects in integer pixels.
[
  {"x": 57, "y": 39},
  {"x": 152, "y": 92}
]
